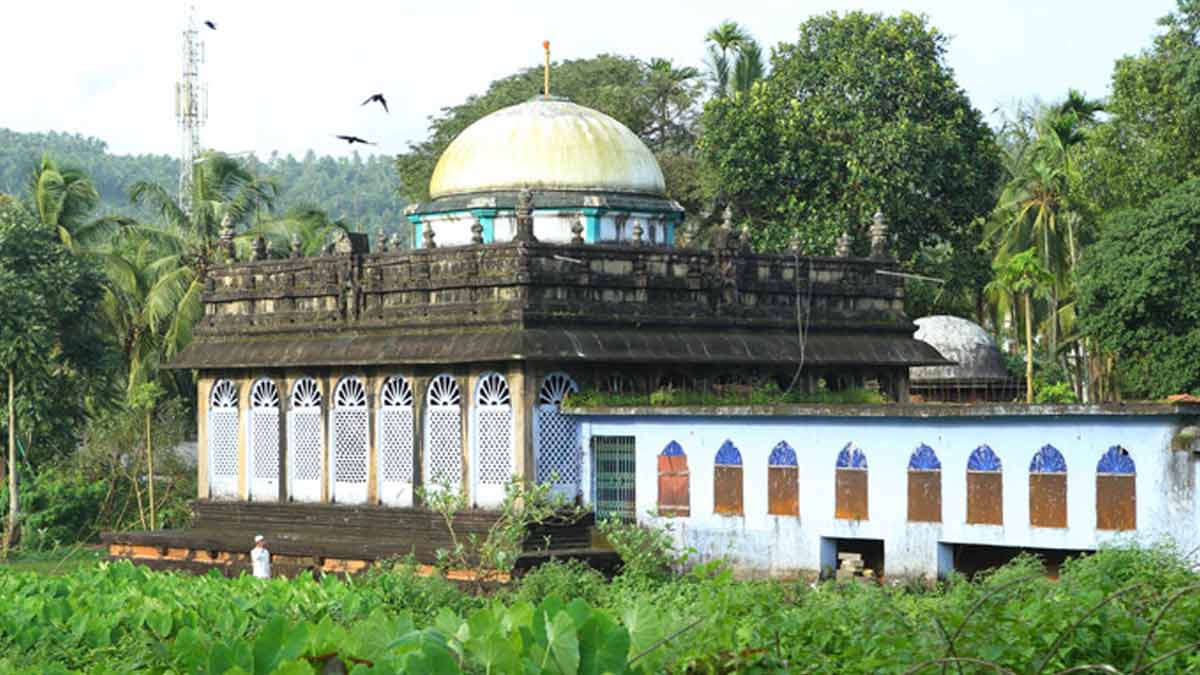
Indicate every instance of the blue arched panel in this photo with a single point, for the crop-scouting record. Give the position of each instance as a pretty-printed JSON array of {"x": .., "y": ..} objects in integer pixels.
[
  {"x": 983, "y": 459},
  {"x": 924, "y": 459},
  {"x": 1048, "y": 460},
  {"x": 673, "y": 449},
  {"x": 1116, "y": 461},
  {"x": 729, "y": 455},
  {"x": 851, "y": 458},
  {"x": 782, "y": 455}
]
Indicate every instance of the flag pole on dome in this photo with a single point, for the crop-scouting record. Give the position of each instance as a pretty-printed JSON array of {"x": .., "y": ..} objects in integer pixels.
[{"x": 546, "y": 74}]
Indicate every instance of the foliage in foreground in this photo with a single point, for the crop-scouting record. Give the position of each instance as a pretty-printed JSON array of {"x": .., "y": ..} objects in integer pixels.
[{"x": 1133, "y": 610}]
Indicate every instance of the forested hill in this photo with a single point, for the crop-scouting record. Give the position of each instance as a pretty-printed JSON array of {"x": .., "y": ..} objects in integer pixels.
[{"x": 362, "y": 192}]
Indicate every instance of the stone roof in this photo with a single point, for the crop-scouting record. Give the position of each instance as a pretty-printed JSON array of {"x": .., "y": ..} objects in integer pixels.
[{"x": 974, "y": 353}]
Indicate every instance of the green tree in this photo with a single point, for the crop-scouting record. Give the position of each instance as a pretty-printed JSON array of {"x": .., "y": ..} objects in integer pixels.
[
  {"x": 46, "y": 297},
  {"x": 223, "y": 191},
  {"x": 1138, "y": 295},
  {"x": 1039, "y": 205},
  {"x": 64, "y": 198},
  {"x": 724, "y": 42},
  {"x": 655, "y": 99},
  {"x": 861, "y": 113},
  {"x": 1024, "y": 275},
  {"x": 1149, "y": 143}
]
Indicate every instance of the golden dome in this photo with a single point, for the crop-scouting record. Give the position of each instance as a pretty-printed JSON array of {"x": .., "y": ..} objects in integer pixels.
[{"x": 547, "y": 145}]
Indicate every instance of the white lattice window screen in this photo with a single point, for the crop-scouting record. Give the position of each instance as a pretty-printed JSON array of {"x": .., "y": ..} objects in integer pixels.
[
  {"x": 350, "y": 432},
  {"x": 559, "y": 453},
  {"x": 493, "y": 433},
  {"x": 264, "y": 429},
  {"x": 223, "y": 435},
  {"x": 443, "y": 436},
  {"x": 304, "y": 430},
  {"x": 396, "y": 431}
]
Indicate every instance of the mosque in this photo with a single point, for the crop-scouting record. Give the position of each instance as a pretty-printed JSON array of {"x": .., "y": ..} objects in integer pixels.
[{"x": 334, "y": 389}]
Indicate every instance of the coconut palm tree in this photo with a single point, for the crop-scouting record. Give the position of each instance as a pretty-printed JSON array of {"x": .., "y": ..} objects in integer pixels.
[
  {"x": 64, "y": 198},
  {"x": 1037, "y": 206},
  {"x": 1023, "y": 275},
  {"x": 750, "y": 66},
  {"x": 724, "y": 42},
  {"x": 223, "y": 191}
]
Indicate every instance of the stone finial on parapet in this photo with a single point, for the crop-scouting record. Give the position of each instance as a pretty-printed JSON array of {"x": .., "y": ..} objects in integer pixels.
[
  {"x": 796, "y": 245},
  {"x": 747, "y": 241},
  {"x": 577, "y": 230},
  {"x": 524, "y": 214},
  {"x": 879, "y": 236},
  {"x": 691, "y": 233},
  {"x": 638, "y": 232},
  {"x": 723, "y": 236},
  {"x": 396, "y": 243},
  {"x": 381, "y": 241},
  {"x": 297, "y": 246},
  {"x": 427, "y": 236},
  {"x": 843, "y": 246},
  {"x": 476, "y": 232},
  {"x": 228, "y": 252},
  {"x": 258, "y": 248}
]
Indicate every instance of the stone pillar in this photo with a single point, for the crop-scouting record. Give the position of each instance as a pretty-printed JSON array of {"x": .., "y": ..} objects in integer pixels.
[
  {"x": 328, "y": 382},
  {"x": 420, "y": 386},
  {"x": 373, "y": 381},
  {"x": 285, "y": 381},
  {"x": 522, "y": 419},
  {"x": 530, "y": 379},
  {"x": 243, "y": 384},
  {"x": 467, "y": 379},
  {"x": 204, "y": 385}
]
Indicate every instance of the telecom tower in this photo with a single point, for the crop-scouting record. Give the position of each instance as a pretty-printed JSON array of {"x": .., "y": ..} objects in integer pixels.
[{"x": 191, "y": 107}]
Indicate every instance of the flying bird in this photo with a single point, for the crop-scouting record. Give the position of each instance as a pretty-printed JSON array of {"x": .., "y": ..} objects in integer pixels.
[
  {"x": 210, "y": 24},
  {"x": 353, "y": 139},
  {"x": 377, "y": 97}
]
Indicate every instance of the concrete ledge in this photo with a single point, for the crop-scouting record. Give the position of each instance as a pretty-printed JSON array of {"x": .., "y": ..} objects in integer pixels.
[{"x": 890, "y": 410}]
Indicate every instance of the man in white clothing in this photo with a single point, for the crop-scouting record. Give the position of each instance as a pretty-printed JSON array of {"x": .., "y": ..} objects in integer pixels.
[{"x": 260, "y": 558}]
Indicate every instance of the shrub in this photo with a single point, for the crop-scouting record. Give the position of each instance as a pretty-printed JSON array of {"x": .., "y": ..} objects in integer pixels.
[
  {"x": 647, "y": 551},
  {"x": 566, "y": 579}
]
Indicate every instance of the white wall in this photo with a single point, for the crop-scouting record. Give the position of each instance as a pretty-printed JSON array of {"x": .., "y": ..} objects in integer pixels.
[{"x": 757, "y": 542}]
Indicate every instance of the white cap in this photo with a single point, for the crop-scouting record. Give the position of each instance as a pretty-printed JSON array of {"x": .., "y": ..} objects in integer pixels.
[{"x": 258, "y": 538}]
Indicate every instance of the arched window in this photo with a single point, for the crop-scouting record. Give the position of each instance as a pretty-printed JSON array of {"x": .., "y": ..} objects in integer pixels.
[
  {"x": 727, "y": 480},
  {"x": 443, "y": 434},
  {"x": 395, "y": 442},
  {"x": 1048, "y": 488},
  {"x": 1116, "y": 491},
  {"x": 349, "y": 441},
  {"x": 306, "y": 444},
  {"x": 924, "y": 486},
  {"x": 492, "y": 466},
  {"x": 783, "y": 481},
  {"x": 223, "y": 429},
  {"x": 850, "y": 502},
  {"x": 674, "y": 494},
  {"x": 263, "y": 439},
  {"x": 985, "y": 488},
  {"x": 558, "y": 453}
]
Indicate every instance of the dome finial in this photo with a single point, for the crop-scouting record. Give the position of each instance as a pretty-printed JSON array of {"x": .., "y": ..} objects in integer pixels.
[{"x": 546, "y": 74}]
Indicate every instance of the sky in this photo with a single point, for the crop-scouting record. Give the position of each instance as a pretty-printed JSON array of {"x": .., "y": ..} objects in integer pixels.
[{"x": 287, "y": 76}]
